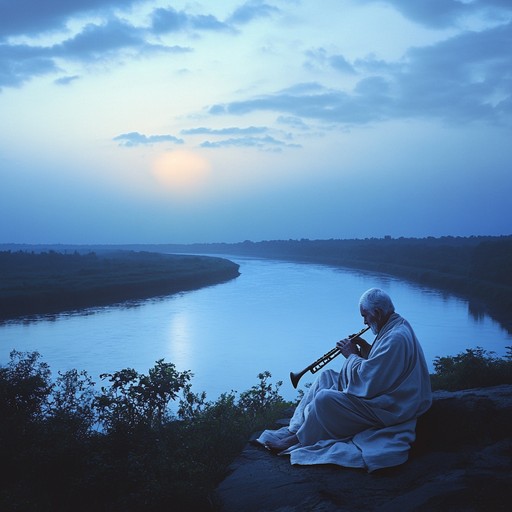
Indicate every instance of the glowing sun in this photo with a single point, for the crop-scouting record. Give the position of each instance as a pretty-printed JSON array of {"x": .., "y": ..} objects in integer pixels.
[{"x": 182, "y": 171}]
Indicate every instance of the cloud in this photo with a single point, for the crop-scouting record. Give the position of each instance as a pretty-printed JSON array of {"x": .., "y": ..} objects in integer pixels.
[
  {"x": 166, "y": 20},
  {"x": 31, "y": 17},
  {"x": 436, "y": 13},
  {"x": 252, "y": 10},
  {"x": 240, "y": 137},
  {"x": 293, "y": 122},
  {"x": 320, "y": 57},
  {"x": 136, "y": 139},
  {"x": 100, "y": 41},
  {"x": 341, "y": 64},
  {"x": 444, "y": 13},
  {"x": 97, "y": 40},
  {"x": 108, "y": 38},
  {"x": 464, "y": 78},
  {"x": 251, "y": 130},
  {"x": 65, "y": 80},
  {"x": 266, "y": 143},
  {"x": 303, "y": 101},
  {"x": 19, "y": 63}
]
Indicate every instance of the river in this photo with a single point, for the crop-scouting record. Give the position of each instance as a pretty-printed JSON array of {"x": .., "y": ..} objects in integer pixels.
[{"x": 276, "y": 316}]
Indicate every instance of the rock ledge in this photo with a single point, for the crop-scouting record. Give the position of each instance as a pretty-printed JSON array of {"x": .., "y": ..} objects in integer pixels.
[{"x": 461, "y": 461}]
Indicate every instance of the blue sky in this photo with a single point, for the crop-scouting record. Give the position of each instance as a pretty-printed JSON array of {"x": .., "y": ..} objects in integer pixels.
[{"x": 129, "y": 121}]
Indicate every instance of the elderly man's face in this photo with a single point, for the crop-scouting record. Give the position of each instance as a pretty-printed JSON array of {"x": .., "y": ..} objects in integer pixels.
[{"x": 371, "y": 319}]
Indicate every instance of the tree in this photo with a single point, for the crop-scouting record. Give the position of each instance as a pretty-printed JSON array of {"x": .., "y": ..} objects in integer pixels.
[{"x": 135, "y": 399}]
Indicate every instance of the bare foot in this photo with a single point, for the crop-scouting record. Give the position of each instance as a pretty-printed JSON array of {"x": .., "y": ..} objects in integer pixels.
[{"x": 282, "y": 444}]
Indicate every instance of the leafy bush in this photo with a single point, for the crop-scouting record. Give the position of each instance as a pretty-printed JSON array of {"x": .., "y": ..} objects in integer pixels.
[
  {"x": 72, "y": 401},
  {"x": 134, "y": 399},
  {"x": 472, "y": 369},
  {"x": 25, "y": 386},
  {"x": 67, "y": 446}
]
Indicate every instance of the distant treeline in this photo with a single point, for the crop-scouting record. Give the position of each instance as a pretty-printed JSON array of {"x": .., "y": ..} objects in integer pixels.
[
  {"x": 50, "y": 282},
  {"x": 477, "y": 268}
]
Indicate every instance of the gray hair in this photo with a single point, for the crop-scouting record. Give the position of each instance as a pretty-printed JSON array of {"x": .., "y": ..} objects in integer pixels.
[{"x": 375, "y": 299}]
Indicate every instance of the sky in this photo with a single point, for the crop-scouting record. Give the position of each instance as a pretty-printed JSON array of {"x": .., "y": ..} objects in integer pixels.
[{"x": 134, "y": 121}]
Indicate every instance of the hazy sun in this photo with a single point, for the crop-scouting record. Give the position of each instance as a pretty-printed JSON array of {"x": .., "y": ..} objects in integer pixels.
[{"x": 181, "y": 171}]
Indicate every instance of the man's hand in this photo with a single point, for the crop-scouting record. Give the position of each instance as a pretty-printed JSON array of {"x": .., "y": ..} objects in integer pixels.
[
  {"x": 364, "y": 347},
  {"x": 347, "y": 347}
]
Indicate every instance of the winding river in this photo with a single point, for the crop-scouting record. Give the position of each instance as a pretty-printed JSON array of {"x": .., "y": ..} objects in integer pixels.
[{"x": 276, "y": 316}]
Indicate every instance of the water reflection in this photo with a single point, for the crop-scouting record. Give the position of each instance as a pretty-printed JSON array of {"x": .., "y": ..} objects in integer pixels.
[
  {"x": 476, "y": 311},
  {"x": 179, "y": 340}
]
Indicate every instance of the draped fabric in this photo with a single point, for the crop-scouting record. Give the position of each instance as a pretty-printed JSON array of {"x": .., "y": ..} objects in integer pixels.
[{"x": 365, "y": 415}]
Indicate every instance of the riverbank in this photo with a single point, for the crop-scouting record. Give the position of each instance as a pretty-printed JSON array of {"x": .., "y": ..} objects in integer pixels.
[{"x": 52, "y": 282}]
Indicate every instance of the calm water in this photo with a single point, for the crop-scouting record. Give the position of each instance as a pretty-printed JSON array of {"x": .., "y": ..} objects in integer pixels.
[{"x": 276, "y": 316}]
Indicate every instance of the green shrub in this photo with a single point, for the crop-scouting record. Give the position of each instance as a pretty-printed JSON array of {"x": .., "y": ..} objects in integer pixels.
[
  {"x": 67, "y": 446},
  {"x": 135, "y": 399},
  {"x": 25, "y": 386},
  {"x": 472, "y": 369}
]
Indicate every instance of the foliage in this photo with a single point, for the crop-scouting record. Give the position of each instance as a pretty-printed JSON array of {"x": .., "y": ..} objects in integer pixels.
[
  {"x": 51, "y": 282},
  {"x": 492, "y": 261},
  {"x": 72, "y": 401},
  {"x": 472, "y": 369},
  {"x": 25, "y": 385},
  {"x": 67, "y": 446},
  {"x": 217, "y": 431},
  {"x": 261, "y": 398},
  {"x": 134, "y": 399}
]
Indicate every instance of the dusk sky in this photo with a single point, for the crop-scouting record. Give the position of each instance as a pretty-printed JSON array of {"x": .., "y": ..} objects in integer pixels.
[{"x": 132, "y": 121}]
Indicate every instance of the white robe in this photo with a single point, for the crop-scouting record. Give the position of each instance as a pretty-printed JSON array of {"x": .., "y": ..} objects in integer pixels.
[{"x": 364, "y": 416}]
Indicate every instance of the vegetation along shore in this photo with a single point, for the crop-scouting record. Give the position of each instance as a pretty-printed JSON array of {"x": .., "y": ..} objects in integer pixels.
[
  {"x": 33, "y": 283},
  {"x": 68, "y": 446}
]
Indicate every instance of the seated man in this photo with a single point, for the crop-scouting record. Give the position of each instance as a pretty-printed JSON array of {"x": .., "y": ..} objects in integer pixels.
[{"x": 372, "y": 403}]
